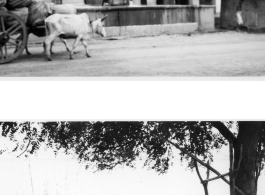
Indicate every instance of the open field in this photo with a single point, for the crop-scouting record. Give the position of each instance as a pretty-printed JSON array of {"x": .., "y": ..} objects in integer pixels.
[{"x": 217, "y": 54}]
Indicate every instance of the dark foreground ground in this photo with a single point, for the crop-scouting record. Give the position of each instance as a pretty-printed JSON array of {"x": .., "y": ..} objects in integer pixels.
[{"x": 213, "y": 54}]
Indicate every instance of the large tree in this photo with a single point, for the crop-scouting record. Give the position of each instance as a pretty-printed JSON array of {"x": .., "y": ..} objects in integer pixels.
[{"x": 105, "y": 145}]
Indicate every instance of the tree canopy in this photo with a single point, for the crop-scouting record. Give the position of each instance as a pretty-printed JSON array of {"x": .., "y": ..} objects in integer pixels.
[{"x": 108, "y": 144}]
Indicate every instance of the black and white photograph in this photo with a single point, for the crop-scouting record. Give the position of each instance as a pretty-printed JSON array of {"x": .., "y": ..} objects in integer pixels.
[
  {"x": 132, "y": 38},
  {"x": 132, "y": 97},
  {"x": 132, "y": 157}
]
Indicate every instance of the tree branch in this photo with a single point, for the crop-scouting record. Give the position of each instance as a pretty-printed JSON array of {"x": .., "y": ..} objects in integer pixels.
[
  {"x": 217, "y": 177},
  {"x": 26, "y": 148},
  {"x": 208, "y": 171},
  {"x": 203, "y": 163},
  {"x": 224, "y": 131},
  {"x": 205, "y": 184},
  {"x": 198, "y": 172}
]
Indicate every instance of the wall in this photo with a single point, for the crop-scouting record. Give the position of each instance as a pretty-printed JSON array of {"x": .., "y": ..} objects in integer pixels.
[
  {"x": 253, "y": 13},
  {"x": 151, "y": 15},
  {"x": 205, "y": 17}
]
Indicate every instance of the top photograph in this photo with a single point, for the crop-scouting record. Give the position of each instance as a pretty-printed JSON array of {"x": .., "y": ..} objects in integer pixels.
[{"x": 132, "y": 38}]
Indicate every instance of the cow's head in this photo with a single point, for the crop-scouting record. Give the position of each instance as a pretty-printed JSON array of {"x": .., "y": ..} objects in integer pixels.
[{"x": 99, "y": 27}]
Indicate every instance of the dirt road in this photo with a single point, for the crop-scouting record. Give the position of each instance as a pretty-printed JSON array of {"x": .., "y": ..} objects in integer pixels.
[{"x": 212, "y": 54}]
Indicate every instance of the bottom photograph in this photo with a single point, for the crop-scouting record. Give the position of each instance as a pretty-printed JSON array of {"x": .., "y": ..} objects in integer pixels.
[{"x": 132, "y": 157}]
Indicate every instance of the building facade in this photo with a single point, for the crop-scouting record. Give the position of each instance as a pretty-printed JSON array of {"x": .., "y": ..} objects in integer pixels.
[{"x": 252, "y": 11}]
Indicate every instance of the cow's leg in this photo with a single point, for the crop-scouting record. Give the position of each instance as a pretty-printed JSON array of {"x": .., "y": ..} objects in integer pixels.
[
  {"x": 17, "y": 42},
  {"x": 85, "y": 45},
  {"x": 26, "y": 47},
  {"x": 65, "y": 43},
  {"x": 27, "y": 50},
  {"x": 19, "y": 39},
  {"x": 44, "y": 47},
  {"x": 48, "y": 43},
  {"x": 74, "y": 46},
  {"x": 51, "y": 47}
]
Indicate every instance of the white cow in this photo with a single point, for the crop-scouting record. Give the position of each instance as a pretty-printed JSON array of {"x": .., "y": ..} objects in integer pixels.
[{"x": 78, "y": 27}]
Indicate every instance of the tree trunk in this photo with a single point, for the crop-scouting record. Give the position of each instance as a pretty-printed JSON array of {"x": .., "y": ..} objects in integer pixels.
[
  {"x": 248, "y": 135},
  {"x": 205, "y": 189}
]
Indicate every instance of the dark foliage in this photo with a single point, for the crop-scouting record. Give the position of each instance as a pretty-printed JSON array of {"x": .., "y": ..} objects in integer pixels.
[{"x": 105, "y": 145}]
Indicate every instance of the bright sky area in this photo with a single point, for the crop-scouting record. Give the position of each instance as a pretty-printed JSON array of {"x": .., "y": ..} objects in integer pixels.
[{"x": 46, "y": 174}]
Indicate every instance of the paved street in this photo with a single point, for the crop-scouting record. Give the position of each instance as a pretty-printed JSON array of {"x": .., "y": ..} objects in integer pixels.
[{"x": 213, "y": 54}]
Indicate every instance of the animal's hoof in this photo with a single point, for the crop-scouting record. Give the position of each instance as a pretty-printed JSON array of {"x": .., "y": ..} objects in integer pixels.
[
  {"x": 49, "y": 59},
  {"x": 89, "y": 56},
  {"x": 71, "y": 58}
]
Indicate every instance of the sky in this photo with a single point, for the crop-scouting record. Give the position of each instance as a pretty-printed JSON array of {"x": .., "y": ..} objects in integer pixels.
[{"x": 45, "y": 174}]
